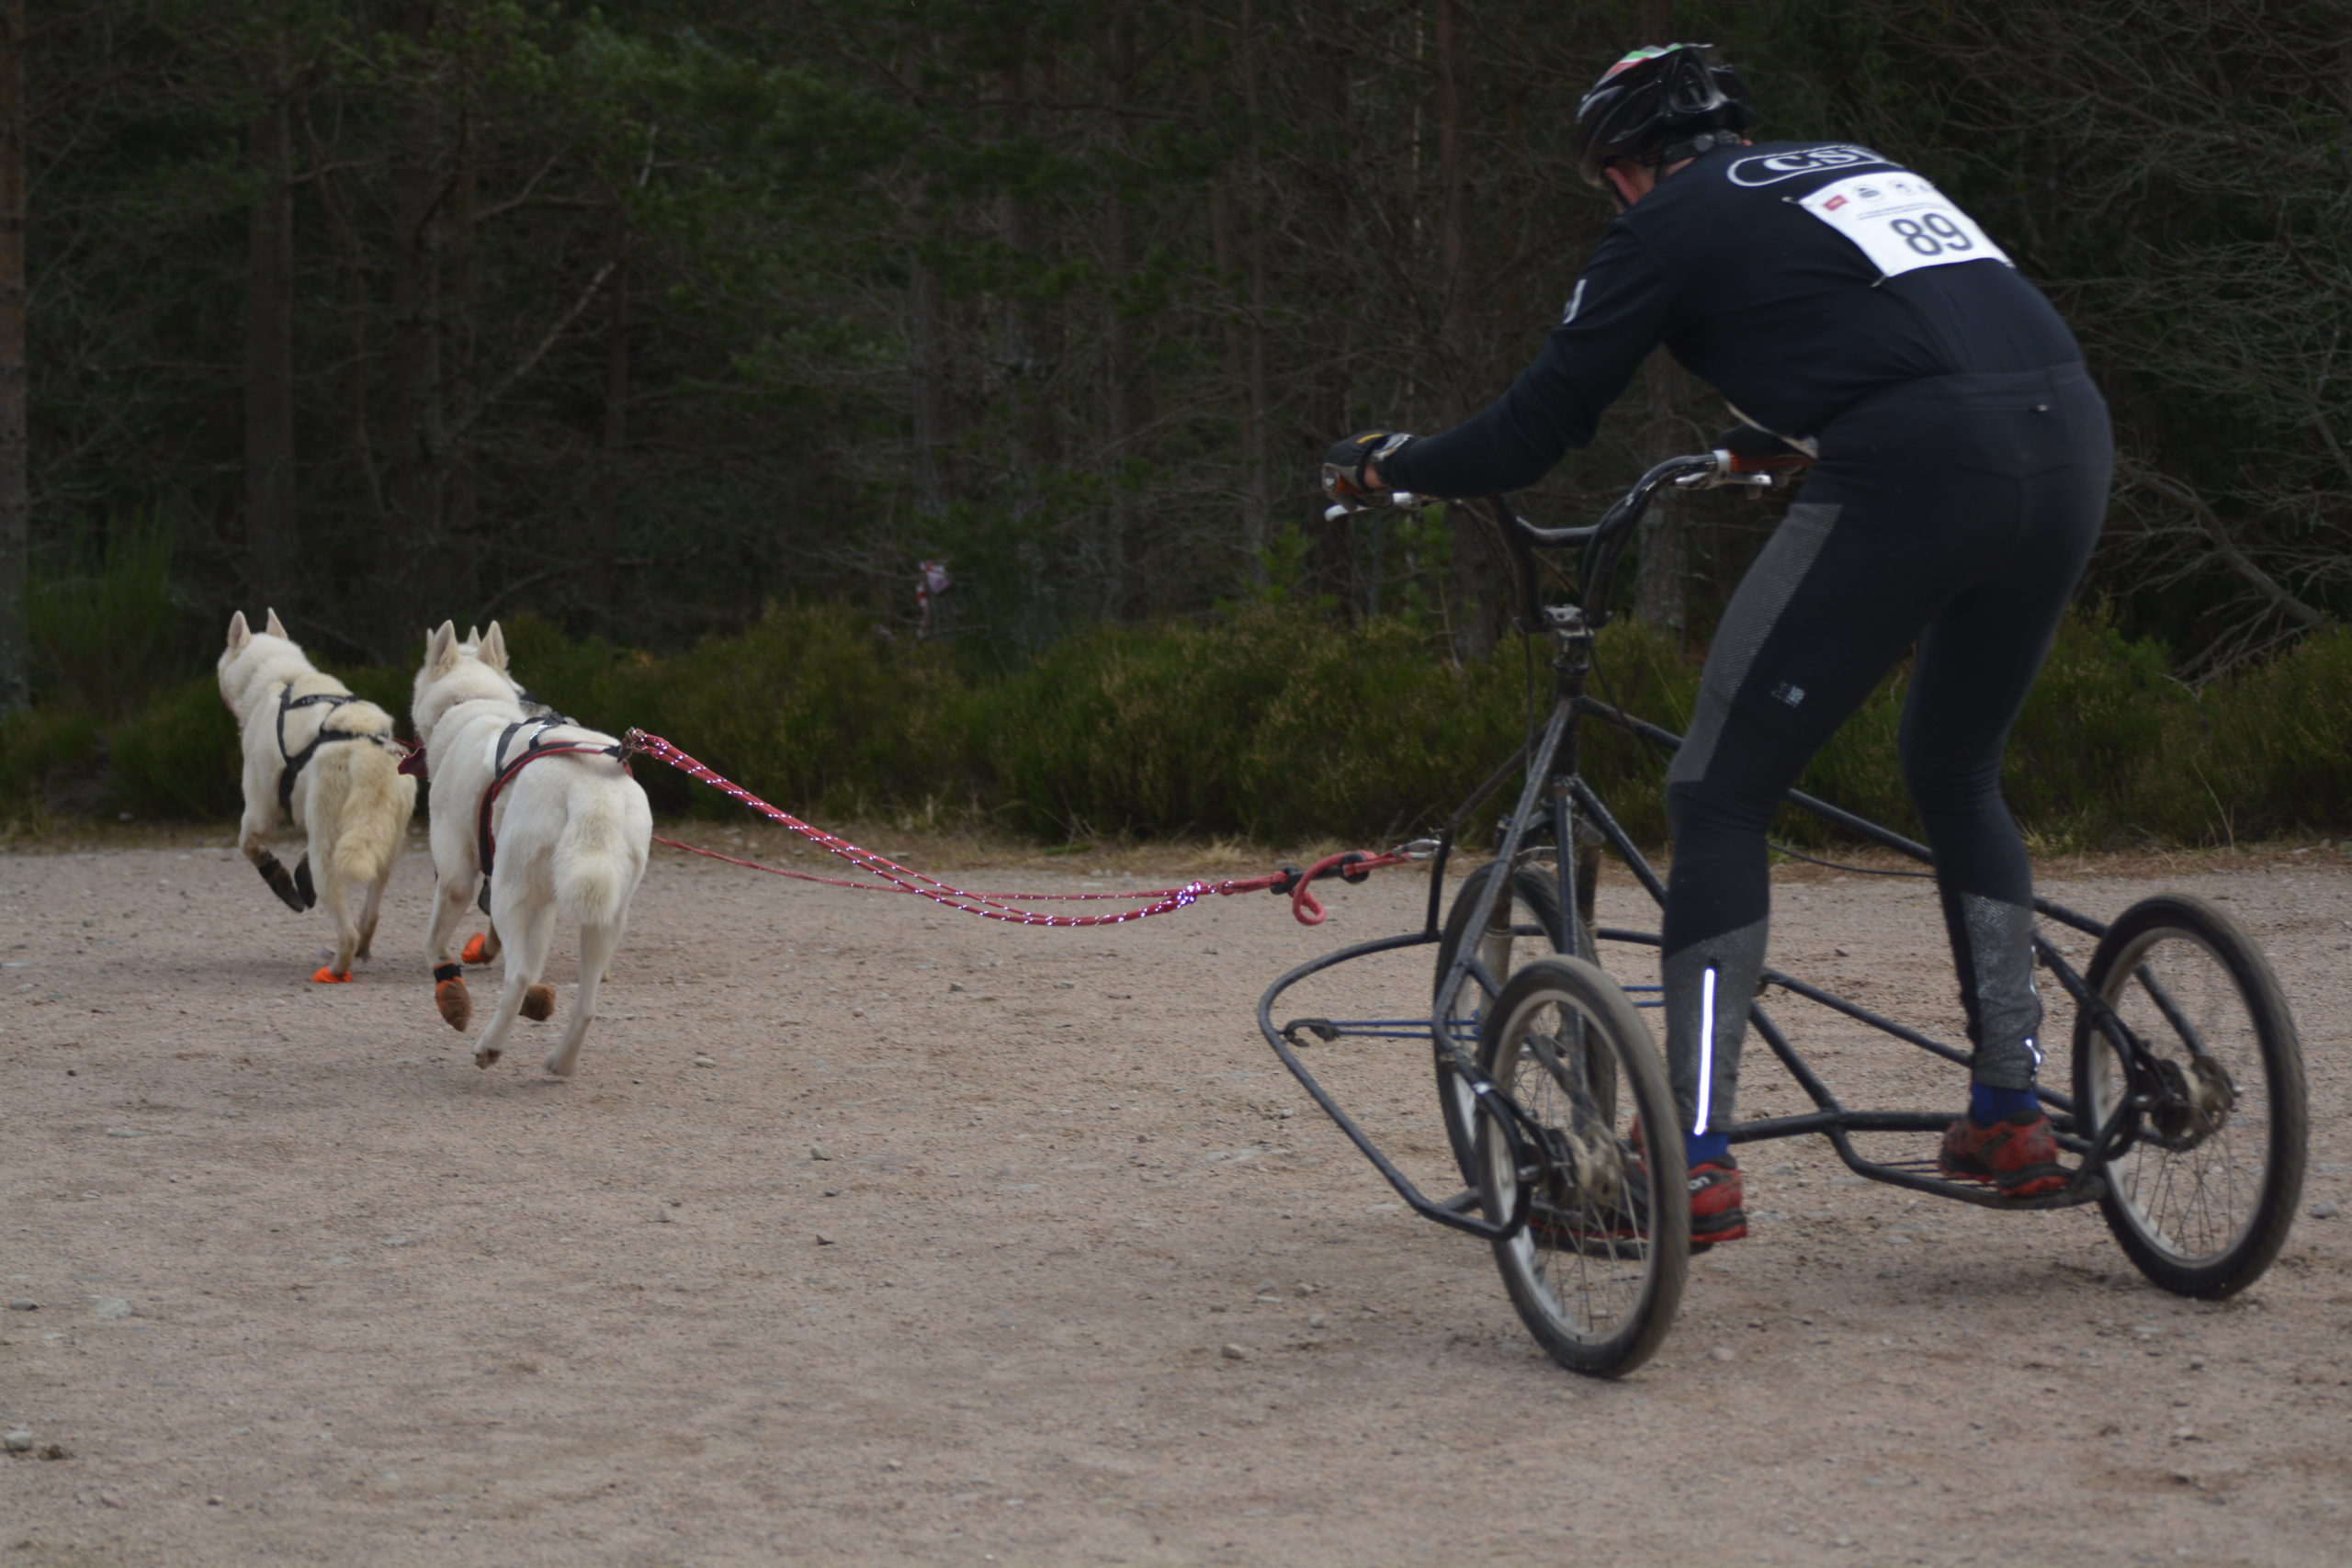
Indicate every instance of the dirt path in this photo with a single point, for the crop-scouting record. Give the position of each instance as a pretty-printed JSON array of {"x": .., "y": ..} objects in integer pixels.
[{"x": 937, "y": 1260}]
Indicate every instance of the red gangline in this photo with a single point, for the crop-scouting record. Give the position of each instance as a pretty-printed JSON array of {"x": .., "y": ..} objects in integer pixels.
[{"x": 897, "y": 878}]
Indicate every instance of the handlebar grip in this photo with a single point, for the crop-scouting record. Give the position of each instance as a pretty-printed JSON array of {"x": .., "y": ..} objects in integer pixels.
[{"x": 1778, "y": 463}]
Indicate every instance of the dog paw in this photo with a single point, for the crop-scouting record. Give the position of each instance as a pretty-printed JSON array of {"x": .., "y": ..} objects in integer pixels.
[
  {"x": 538, "y": 1003},
  {"x": 327, "y": 977},
  {"x": 560, "y": 1066},
  {"x": 279, "y": 883},
  {"x": 485, "y": 1058},
  {"x": 478, "y": 949},
  {"x": 457, "y": 1007}
]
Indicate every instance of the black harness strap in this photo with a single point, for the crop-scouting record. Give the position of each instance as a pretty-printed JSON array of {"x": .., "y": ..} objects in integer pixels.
[
  {"x": 486, "y": 843},
  {"x": 294, "y": 762}
]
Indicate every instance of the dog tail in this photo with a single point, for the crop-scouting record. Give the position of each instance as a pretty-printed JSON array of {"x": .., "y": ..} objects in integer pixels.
[
  {"x": 600, "y": 855},
  {"x": 373, "y": 802}
]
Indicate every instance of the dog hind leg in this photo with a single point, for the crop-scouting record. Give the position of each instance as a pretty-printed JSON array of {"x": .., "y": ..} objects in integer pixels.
[
  {"x": 526, "y": 956},
  {"x": 368, "y": 913},
  {"x": 597, "y": 944},
  {"x": 346, "y": 932},
  {"x": 449, "y": 901}
]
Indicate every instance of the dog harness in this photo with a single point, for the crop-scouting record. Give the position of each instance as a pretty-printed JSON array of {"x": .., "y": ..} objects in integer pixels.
[
  {"x": 500, "y": 771},
  {"x": 295, "y": 761}
]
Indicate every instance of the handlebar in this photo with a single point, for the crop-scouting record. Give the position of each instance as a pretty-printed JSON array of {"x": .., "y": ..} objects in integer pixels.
[{"x": 1604, "y": 540}]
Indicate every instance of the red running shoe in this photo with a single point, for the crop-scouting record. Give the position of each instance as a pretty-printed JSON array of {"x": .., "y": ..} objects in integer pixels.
[
  {"x": 1715, "y": 1199},
  {"x": 2019, "y": 1155},
  {"x": 1715, "y": 1212}
]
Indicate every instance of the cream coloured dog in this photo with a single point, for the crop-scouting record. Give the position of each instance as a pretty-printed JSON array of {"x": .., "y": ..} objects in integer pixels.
[
  {"x": 316, "y": 753},
  {"x": 549, "y": 805}
]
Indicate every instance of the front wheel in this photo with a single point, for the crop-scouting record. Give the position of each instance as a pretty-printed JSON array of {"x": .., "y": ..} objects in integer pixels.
[
  {"x": 2207, "y": 1163},
  {"x": 1524, "y": 924},
  {"x": 1597, "y": 1271}
]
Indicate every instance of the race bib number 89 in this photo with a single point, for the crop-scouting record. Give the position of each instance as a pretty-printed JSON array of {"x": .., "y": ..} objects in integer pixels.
[{"x": 1900, "y": 223}]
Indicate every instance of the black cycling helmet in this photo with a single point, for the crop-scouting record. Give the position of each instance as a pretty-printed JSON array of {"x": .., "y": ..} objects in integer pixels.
[{"x": 1661, "y": 105}]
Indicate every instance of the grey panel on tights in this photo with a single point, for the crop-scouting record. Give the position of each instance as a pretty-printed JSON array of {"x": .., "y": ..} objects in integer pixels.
[
  {"x": 2000, "y": 971},
  {"x": 1755, "y": 608}
]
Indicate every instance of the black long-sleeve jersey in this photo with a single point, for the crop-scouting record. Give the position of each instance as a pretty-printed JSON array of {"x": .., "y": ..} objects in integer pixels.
[{"x": 1775, "y": 303}]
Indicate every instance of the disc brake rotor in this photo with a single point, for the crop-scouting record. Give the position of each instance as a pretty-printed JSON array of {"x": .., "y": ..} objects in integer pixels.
[{"x": 2192, "y": 1103}]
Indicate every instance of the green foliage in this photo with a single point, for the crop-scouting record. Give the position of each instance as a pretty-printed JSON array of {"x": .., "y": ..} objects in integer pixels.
[
  {"x": 1646, "y": 672},
  {"x": 178, "y": 756},
  {"x": 1136, "y": 728},
  {"x": 2265, "y": 751},
  {"x": 808, "y": 708},
  {"x": 2094, "y": 738},
  {"x": 1282, "y": 573},
  {"x": 1372, "y": 731},
  {"x": 1285, "y": 728},
  {"x": 812, "y": 705},
  {"x": 47, "y": 755},
  {"x": 101, "y": 621}
]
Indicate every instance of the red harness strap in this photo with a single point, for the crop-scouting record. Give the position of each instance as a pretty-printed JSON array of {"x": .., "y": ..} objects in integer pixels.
[{"x": 485, "y": 842}]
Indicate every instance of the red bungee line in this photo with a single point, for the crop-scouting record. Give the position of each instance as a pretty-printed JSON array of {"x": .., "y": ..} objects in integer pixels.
[{"x": 897, "y": 878}]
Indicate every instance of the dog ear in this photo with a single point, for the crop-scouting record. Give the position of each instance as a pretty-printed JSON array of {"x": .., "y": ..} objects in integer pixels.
[
  {"x": 276, "y": 626},
  {"x": 240, "y": 634},
  {"x": 494, "y": 648},
  {"x": 473, "y": 636},
  {"x": 441, "y": 648}
]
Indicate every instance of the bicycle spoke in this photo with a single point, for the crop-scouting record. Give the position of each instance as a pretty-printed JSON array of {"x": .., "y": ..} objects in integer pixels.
[{"x": 2201, "y": 1193}]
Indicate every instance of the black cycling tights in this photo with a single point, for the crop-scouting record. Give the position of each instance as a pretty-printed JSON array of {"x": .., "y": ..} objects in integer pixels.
[{"x": 1954, "y": 512}]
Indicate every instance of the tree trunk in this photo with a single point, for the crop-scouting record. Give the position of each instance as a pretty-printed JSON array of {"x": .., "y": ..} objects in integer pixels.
[
  {"x": 458, "y": 330},
  {"x": 273, "y": 545},
  {"x": 927, "y": 366},
  {"x": 412, "y": 541},
  {"x": 604, "y": 572},
  {"x": 928, "y": 393},
  {"x": 1476, "y": 583},
  {"x": 15, "y": 681},
  {"x": 1118, "y": 344},
  {"x": 1658, "y": 579},
  {"x": 1248, "y": 419},
  {"x": 1327, "y": 269},
  {"x": 1019, "y": 359},
  {"x": 1257, "y": 516}
]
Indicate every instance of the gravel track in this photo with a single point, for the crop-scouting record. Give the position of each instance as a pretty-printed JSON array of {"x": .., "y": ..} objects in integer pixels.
[{"x": 977, "y": 1244}]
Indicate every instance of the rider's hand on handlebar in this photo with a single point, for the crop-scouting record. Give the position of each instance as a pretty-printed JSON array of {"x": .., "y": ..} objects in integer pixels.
[{"x": 1351, "y": 470}]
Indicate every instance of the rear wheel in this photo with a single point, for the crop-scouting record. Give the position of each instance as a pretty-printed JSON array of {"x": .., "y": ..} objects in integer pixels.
[
  {"x": 1523, "y": 925},
  {"x": 2203, "y": 1176},
  {"x": 1597, "y": 1271}
]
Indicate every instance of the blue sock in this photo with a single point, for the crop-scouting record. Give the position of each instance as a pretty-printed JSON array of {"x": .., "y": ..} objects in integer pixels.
[
  {"x": 1698, "y": 1148},
  {"x": 1988, "y": 1105}
]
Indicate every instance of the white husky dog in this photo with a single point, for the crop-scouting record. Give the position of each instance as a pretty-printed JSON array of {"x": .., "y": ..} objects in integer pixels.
[
  {"x": 315, "y": 753},
  {"x": 549, "y": 804}
]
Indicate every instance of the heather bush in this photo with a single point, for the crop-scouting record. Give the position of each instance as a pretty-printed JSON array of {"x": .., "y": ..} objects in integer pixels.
[{"x": 1282, "y": 727}]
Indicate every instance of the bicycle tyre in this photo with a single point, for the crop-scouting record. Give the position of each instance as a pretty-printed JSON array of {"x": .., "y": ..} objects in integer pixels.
[
  {"x": 1597, "y": 1274},
  {"x": 1531, "y": 913},
  {"x": 2184, "y": 1204}
]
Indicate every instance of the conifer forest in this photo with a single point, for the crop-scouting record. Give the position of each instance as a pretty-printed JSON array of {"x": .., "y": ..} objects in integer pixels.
[{"x": 643, "y": 318}]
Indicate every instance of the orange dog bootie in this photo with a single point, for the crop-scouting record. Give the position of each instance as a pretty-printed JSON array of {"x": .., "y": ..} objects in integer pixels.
[
  {"x": 327, "y": 977},
  {"x": 450, "y": 997},
  {"x": 477, "y": 948}
]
